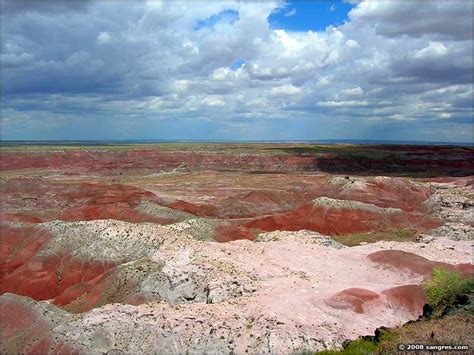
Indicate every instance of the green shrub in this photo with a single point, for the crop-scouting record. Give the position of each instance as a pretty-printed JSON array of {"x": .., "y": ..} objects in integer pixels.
[
  {"x": 360, "y": 347},
  {"x": 445, "y": 287},
  {"x": 356, "y": 347}
]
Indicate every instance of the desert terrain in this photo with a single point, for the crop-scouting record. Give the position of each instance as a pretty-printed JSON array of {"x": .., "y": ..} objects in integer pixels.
[{"x": 224, "y": 248}]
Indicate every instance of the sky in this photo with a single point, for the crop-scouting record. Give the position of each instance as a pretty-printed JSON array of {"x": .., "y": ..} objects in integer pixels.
[{"x": 237, "y": 70}]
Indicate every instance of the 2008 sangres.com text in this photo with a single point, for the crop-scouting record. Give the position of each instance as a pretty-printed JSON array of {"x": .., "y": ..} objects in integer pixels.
[{"x": 431, "y": 347}]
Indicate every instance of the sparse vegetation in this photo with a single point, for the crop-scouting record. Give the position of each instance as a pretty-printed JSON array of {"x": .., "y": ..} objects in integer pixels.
[
  {"x": 357, "y": 347},
  {"x": 445, "y": 287},
  {"x": 457, "y": 329}
]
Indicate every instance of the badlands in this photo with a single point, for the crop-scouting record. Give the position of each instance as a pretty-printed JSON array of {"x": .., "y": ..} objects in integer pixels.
[{"x": 224, "y": 248}]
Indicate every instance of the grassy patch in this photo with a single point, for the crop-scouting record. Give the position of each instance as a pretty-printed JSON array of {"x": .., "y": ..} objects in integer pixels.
[
  {"x": 354, "y": 348},
  {"x": 354, "y": 239}
]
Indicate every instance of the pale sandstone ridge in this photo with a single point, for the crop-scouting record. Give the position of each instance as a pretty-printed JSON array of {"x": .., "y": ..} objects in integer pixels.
[
  {"x": 450, "y": 230},
  {"x": 288, "y": 292},
  {"x": 352, "y": 205},
  {"x": 453, "y": 201}
]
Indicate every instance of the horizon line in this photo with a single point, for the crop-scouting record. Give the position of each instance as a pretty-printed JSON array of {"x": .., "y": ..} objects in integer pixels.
[{"x": 295, "y": 141}]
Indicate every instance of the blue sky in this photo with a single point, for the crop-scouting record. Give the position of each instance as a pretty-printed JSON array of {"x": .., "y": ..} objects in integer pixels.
[
  {"x": 310, "y": 15},
  {"x": 265, "y": 70},
  {"x": 228, "y": 16}
]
